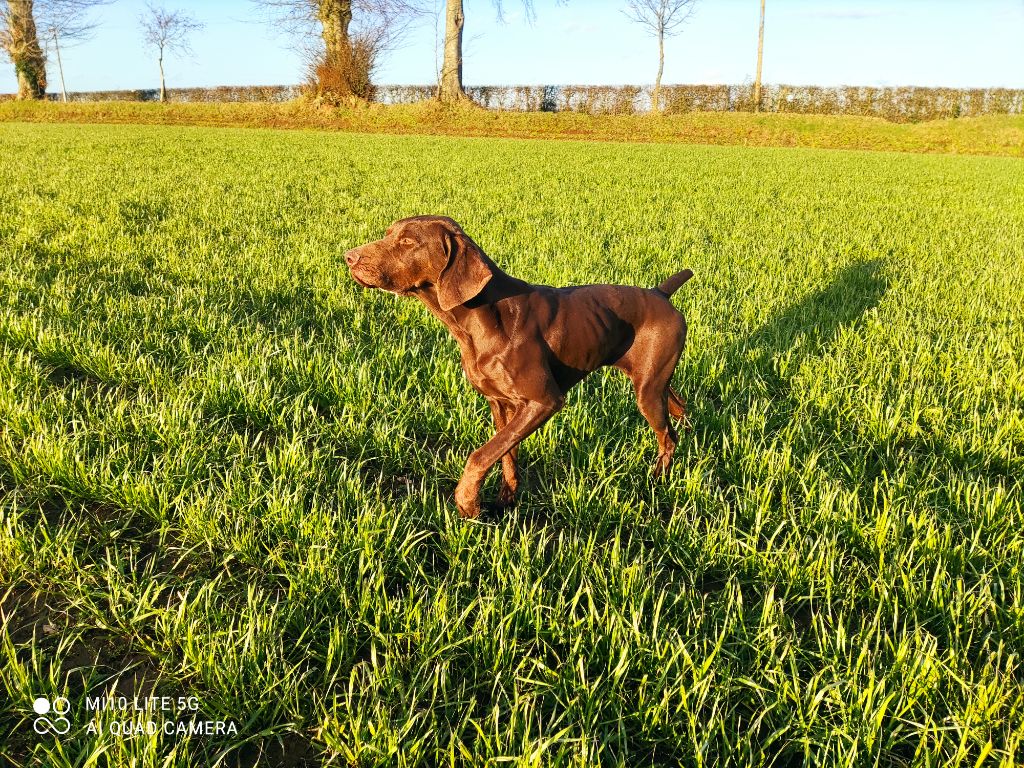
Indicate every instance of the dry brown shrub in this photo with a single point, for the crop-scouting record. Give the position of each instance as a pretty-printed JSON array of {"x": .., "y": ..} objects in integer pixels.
[{"x": 346, "y": 74}]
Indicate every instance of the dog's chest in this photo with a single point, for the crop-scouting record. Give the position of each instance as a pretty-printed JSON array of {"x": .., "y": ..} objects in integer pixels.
[
  {"x": 498, "y": 353},
  {"x": 487, "y": 371}
]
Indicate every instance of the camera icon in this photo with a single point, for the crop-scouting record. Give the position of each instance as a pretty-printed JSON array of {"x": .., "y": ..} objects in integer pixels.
[{"x": 44, "y": 724}]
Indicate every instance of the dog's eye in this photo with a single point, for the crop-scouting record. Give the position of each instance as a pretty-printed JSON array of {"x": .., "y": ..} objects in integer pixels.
[{"x": 407, "y": 241}]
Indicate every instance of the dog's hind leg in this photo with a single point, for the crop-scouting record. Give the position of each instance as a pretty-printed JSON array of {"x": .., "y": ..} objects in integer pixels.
[
  {"x": 649, "y": 363},
  {"x": 652, "y": 398}
]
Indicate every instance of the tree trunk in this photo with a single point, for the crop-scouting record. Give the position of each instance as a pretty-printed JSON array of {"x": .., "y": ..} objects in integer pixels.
[
  {"x": 163, "y": 88},
  {"x": 656, "y": 96},
  {"x": 60, "y": 68},
  {"x": 451, "y": 89},
  {"x": 22, "y": 45},
  {"x": 760, "y": 55},
  {"x": 335, "y": 17}
]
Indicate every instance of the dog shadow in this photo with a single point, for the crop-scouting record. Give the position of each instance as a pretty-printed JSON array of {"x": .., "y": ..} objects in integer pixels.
[
  {"x": 807, "y": 327},
  {"x": 757, "y": 367}
]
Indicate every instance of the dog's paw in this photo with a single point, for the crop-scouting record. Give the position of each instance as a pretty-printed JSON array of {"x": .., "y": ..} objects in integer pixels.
[
  {"x": 469, "y": 512},
  {"x": 467, "y": 499},
  {"x": 662, "y": 466},
  {"x": 506, "y": 496}
]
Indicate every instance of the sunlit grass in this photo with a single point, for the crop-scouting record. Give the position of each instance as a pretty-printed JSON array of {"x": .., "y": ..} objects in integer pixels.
[
  {"x": 988, "y": 135},
  {"x": 226, "y": 471}
]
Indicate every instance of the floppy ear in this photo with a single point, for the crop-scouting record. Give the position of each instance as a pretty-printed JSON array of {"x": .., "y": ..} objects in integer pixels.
[{"x": 465, "y": 274}]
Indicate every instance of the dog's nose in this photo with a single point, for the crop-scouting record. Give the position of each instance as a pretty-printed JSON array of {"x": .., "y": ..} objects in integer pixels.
[{"x": 351, "y": 257}]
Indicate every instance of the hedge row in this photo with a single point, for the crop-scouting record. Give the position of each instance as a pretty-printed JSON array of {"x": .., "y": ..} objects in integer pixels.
[
  {"x": 221, "y": 93},
  {"x": 900, "y": 104},
  {"x": 904, "y": 104}
]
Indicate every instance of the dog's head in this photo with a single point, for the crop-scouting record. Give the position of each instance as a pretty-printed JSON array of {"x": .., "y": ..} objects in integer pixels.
[{"x": 423, "y": 253}]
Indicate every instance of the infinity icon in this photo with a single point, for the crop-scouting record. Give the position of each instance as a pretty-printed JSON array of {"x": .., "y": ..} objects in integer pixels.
[{"x": 58, "y": 725}]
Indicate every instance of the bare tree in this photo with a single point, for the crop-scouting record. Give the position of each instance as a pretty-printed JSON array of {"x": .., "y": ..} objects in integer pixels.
[
  {"x": 354, "y": 35},
  {"x": 20, "y": 42},
  {"x": 24, "y": 22},
  {"x": 450, "y": 88},
  {"x": 65, "y": 22},
  {"x": 663, "y": 18},
  {"x": 760, "y": 56},
  {"x": 450, "y": 84},
  {"x": 166, "y": 32}
]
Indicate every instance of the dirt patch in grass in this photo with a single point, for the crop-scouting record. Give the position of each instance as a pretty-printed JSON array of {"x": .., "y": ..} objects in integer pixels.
[
  {"x": 29, "y": 612},
  {"x": 288, "y": 750}
]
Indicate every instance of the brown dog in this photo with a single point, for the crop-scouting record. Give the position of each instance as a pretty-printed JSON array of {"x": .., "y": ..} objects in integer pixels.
[{"x": 523, "y": 346}]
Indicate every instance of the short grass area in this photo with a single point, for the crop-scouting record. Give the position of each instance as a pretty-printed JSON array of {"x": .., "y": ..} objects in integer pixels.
[
  {"x": 226, "y": 471},
  {"x": 992, "y": 135}
]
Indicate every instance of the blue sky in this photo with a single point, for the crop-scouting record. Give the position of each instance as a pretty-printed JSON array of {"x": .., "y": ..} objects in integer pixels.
[{"x": 960, "y": 43}]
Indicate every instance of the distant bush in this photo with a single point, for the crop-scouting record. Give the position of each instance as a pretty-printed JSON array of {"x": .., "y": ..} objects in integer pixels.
[
  {"x": 341, "y": 75},
  {"x": 902, "y": 104},
  {"x": 405, "y": 94}
]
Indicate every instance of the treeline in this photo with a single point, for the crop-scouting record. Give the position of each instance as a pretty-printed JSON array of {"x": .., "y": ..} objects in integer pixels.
[
  {"x": 345, "y": 41},
  {"x": 903, "y": 104},
  {"x": 342, "y": 41}
]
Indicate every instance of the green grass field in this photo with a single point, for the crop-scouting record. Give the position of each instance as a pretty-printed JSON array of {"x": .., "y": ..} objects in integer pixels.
[{"x": 226, "y": 471}]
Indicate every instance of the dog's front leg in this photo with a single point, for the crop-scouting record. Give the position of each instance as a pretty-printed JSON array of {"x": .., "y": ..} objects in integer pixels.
[
  {"x": 528, "y": 418},
  {"x": 502, "y": 411}
]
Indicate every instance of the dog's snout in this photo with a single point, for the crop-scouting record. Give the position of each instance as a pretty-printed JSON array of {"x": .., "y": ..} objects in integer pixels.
[{"x": 352, "y": 257}]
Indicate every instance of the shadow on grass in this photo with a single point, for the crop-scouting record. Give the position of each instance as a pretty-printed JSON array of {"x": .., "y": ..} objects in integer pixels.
[
  {"x": 807, "y": 328},
  {"x": 811, "y": 324},
  {"x": 803, "y": 331},
  {"x": 800, "y": 331}
]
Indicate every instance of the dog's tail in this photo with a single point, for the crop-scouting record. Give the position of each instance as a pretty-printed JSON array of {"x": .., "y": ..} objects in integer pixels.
[{"x": 675, "y": 282}]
